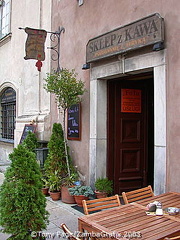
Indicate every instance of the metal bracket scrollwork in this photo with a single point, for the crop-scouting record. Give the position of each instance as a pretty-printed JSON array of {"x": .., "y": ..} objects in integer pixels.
[{"x": 55, "y": 39}]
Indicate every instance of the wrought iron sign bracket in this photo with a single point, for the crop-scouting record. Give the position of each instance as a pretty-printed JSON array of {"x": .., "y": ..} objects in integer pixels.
[
  {"x": 35, "y": 45},
  {"x": 55, "y": 39}
]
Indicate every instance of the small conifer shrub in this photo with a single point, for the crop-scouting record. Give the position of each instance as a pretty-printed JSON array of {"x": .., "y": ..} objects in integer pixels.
[
  {"x": 22, "y": 204},
  {"x": 56, "y": 160},
  {"x": 31, "y": 141}
]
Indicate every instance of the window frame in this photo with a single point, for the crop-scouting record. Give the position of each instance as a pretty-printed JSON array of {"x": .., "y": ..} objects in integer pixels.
[
  {"x": 8, "y": 114},
  {"x": 5, "y": 18}
]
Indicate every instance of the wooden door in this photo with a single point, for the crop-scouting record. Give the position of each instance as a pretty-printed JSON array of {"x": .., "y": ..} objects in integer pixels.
[{"x": 130, "y": 142}]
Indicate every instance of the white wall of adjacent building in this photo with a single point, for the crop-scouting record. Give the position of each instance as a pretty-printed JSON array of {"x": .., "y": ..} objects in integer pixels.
[{"x": 32, "y": 101}]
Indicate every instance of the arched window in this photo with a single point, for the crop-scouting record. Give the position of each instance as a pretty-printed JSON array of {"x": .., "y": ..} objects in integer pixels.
[{"x": 8, "y": 113}]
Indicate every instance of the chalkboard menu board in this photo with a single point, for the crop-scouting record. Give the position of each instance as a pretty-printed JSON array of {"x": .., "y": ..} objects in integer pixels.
[
  {"x": 27, "y": 128},
  {"x": 74, "y": 122}
]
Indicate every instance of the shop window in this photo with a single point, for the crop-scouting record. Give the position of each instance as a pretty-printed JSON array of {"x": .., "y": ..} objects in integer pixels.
[
  {"x": 8, "y": 113},
  {"x": 5, "y": 10}
]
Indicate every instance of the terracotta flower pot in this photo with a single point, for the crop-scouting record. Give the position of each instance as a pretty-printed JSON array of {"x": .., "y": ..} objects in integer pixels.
[
  {"x": 79, "y": 199},
  {"x": 100, "y": 194},
  {"x": 45, "y": 191},
  {"x": 55, "y": 195},
  {"x": 66, "y": 197}
]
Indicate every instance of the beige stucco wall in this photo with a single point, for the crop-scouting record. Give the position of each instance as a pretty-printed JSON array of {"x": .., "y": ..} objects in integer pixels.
[
  {"x": 93, "y": 18},
  {"x": 33, "y": 103}
]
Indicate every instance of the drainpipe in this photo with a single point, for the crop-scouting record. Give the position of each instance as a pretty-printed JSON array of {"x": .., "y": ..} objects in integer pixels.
[{"x": 40, "y": 77}]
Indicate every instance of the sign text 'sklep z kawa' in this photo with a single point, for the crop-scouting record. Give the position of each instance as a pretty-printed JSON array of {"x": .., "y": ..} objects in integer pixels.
[{"x": 143, "y": 32}]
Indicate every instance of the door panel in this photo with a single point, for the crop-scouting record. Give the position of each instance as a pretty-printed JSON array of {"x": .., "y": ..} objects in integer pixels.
[
  {"x": 130, "y": 129},
  {"x": 128, "y": 134}
]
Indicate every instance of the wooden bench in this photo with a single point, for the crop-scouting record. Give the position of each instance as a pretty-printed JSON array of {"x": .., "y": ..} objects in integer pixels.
[
  {"x": 138, "y": 194},
  {"x": 94, "y": 205}
]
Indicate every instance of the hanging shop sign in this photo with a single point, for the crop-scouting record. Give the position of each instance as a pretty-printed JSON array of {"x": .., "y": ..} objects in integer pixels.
[
  {"x": 143, "y": 32},
  {"x": 131, "y": 100},
  {"x": 35, "y": 44}
]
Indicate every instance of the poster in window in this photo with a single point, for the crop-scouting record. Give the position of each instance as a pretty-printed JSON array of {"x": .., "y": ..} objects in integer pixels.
[
  {"x": 74, "y": 122},
  {"x": 131, "y": 100}
]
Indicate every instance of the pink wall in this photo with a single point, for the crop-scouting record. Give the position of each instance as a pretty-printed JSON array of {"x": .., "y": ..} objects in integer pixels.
[{"x": 96, "y": 17}]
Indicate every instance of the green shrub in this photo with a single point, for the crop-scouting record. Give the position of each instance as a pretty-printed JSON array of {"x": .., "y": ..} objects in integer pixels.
[
  {"x": 22, "y": 204},
  {"x": 31, "y": 142},
  {"x": 56, "y": 159}
]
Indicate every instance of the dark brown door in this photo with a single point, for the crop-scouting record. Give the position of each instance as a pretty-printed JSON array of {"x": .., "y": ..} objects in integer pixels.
[{"x": 130, "y": 133}]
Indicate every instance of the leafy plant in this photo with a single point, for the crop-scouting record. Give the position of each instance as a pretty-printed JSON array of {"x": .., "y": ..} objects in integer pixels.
[
  {"x": 104, "y": 185},
  {"x": 69, "y": 180},
  {"x": 65, "y": 86},
  {"x": 45, "y": 181},
  {"x": 22, "y": 204},
  {"x": 67, "y": 90},
  {"x": 54, "y": 182},
  {"x": 81, "y": 190}
]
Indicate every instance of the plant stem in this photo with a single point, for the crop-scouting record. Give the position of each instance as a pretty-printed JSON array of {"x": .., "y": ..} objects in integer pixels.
[{"x": 65, "y": 144}]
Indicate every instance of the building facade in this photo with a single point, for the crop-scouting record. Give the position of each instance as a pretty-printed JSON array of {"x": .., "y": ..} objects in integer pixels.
[
  {"x": 130, "y": 113},
  {"x": 130, "y": 123},
  {"x": 23, "y": 98}
]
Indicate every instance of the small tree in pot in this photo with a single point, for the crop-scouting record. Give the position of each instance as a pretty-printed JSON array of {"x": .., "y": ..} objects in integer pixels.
[{"x": 67, "y": 90}]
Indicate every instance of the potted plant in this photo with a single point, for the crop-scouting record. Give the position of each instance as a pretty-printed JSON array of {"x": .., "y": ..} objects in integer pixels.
[
  {"x": 68, "y": 182},
  {"x": 55, "y": 165},
  {"x": 81, "y": 193},
  {"x": 104, "y": 187},
  {"x": 68, "y": 91},
  {"x": 56, "y": 159},
  {"x": 45, "y": 188},
  {"x": 22, "y": 204},
  {"x": 56, "y": 162},
  {"x": 54, "y": 186}
]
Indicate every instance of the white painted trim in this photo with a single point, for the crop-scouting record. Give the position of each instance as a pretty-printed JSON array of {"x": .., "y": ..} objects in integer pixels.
[{"x": 154, "y": 61}]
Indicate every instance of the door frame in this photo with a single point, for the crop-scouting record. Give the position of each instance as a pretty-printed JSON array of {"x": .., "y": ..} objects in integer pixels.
[{"x": 155, "y": 62}]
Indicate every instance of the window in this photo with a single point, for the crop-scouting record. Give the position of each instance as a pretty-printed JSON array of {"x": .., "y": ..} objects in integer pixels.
[
  {"x": 4, "y": 17},
  {"x": 8, "y": 113}
]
